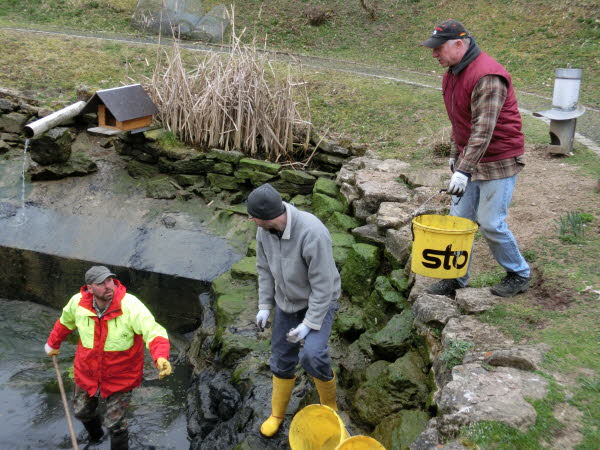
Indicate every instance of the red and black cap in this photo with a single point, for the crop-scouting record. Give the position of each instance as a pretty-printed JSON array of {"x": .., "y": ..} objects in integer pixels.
[{"x": 445, "y": 31}]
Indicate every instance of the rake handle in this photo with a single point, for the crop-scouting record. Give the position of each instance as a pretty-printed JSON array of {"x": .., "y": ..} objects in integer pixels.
[{"x": 65, "y": 404}]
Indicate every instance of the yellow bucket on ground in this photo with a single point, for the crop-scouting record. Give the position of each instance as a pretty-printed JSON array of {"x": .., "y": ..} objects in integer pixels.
[
  {"x": 317, "y": 427},
  {"x": 360, "y": 443},
  {"x": 442, "y": 245}
]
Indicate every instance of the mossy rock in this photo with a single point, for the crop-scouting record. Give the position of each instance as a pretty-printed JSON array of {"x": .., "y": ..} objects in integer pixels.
[
  {"x": 301, "y": 201},
  {"x": 340, "y": 256},
  {"x": 198, "y": 165},
  {"x": 229, "y": 156},
  {"x": 245, "y": 269},
  {"x": 252, "y": 248},
  {"x": 297, "y": 177},
  {"x": 400, "y": 430},
  {"x": 223, "y": 181},
  {"x": 229, "y": 306},
  {"x": 396, "y": 337},
  {"x": 342, "y": 240},
  {"x": 326, "y": 186},
  {"x": 389, "y": 294},
  {"x": 350, "y": 322},
  {"x": 359, "y": 270},
  {"x": 400, "y": 281},
  {"x": 324, "y": 206},
  {"x": 260, "y": 166},
  {"x": 235, "y": 346},
  {"x": 401, "y": 385},
  {"x": 321, "y": 173},
  {"x": 189, "y": 180},
  {"x": 161, "y": 188},
  {"x": 285, "y": 187},
  {"x": 225, "y": 284},
  {"x": 341, "y": 222},
  {"x": 255, "y": 177},
  {"x": 224, "y": 168},
  {"x": 137, "y": 169}
]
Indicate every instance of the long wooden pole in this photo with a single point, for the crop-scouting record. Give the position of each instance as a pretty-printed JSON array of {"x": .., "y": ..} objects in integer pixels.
[{"x": 65, "y": 404}]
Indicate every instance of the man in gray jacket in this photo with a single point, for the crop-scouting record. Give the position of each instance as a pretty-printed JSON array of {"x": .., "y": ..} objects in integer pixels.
[{"x": 298, "y": 279}]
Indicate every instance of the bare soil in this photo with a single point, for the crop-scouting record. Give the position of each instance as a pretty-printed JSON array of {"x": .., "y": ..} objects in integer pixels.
[{"x": 547, "y": 188}]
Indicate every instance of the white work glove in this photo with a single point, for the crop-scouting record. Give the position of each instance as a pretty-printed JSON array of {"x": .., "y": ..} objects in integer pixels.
[
  {"x": 50, "y": 351},
  {"x": 298, "y": 333},
  {"x": 451, "y": 162},
  {"x": 458, "y": 183},
  {"x": 262, "y": 317}
]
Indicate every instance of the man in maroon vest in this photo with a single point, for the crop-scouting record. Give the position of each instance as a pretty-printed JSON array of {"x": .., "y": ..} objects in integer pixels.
[{"x": 486, "y": 152}]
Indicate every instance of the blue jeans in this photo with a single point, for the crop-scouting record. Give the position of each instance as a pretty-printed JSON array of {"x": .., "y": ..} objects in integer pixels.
[
  {"x": 486, "y": 202},
  {"x": 314, "y": 355}
]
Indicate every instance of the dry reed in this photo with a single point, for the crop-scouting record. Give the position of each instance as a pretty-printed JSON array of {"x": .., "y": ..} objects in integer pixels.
[{"x": 232, "y": 101}]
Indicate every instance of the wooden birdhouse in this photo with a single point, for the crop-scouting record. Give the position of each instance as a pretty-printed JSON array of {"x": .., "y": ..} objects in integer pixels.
[{"x": 125, "y": 108}]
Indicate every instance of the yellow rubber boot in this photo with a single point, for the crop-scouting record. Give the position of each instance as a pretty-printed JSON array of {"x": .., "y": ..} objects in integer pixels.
[
  {"x": 327, "y": 392},
  {"x": 282, "y": 391}
]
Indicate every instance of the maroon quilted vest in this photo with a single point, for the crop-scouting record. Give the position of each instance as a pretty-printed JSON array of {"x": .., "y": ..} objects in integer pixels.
[{"x": 507, "y": 140}]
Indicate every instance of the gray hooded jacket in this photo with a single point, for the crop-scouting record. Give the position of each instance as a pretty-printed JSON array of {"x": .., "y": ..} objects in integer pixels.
[{"x": 298, "y": 270}]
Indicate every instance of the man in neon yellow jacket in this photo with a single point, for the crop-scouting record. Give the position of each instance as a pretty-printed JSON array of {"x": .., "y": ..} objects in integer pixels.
[{"x": 113, "y": 327}]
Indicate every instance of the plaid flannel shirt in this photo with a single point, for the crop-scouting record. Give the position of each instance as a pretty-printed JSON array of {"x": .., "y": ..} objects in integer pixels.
[{"x": 487, "y": 99}]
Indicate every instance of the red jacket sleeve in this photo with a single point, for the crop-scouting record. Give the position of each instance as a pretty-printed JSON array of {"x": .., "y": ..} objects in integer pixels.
[
  {"x": 159, "y": 348},
  {"x": 58, "y": 334}
]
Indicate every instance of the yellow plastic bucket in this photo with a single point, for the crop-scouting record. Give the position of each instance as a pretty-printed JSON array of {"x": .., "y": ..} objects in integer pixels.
[
  {"x": 360, "y": 443},
  {"x": 317, "y": 427},
  {"x": 442, "y": 245}
]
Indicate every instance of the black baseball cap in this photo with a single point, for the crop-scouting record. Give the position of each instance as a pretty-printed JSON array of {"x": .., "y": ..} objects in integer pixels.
[
  {"x": 265, "y": 203},
  {"x": 445, "y": 31}
]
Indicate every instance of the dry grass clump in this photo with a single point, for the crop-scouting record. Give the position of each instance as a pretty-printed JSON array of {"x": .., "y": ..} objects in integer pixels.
[{"x": 232, "y": 101}]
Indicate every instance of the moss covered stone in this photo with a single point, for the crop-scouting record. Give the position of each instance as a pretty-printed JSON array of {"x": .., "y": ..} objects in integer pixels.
[
  {"x": 198, "y": 165},
  {"x": 341, "y": 222},
  {"x": 161, "y": 188},
  {"x": 342, "y": 239},
  {"x": 301, "y": 201},
  {"x": 230, "y": 156},
  {"x": 389, "y": 294},
  {"x": 252, "y": 248},
  {"x": 396, "y": 337},
  {"x": 286, "y": 187},
  {"x": 400, "y": 430},
  {"x": 189, "y": 180},
  {"x": 399, "y": 280},
  {"x": 324, "y": 206},
  {"x": 255, "y": 177},
  {"x": 349, "y": 322},
  {"x": 244, "y": 269},
  {"x": 340, "y": 255},
  {"x": 223, "y": 168},
  {"x": 360, "y": 268},
  {"x": 223, "y": 181},
  {"x": 236, "y": 346},
  {"x": 297, "y": 177},
  {"x": 402, "y": 385},
  {"x": 326, "y": 186},
  {"x": 260, "y": 166},
  {"x": 137, "y": 169}
]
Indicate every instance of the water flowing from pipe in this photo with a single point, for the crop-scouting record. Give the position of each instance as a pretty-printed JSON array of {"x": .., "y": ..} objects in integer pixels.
[{"x": 21, "y": 219}]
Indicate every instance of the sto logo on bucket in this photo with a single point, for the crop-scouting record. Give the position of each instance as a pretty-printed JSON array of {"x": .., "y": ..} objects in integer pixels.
[{"x": 434, "y": 258}]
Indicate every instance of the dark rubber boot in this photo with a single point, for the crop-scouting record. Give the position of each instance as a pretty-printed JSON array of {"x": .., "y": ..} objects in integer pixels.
[
  {"x": 94, "y": 429},
  {"x": 511, "y": 285},
  {"x": 119, "y": 440},
  {"x": 444, "y": 287}
]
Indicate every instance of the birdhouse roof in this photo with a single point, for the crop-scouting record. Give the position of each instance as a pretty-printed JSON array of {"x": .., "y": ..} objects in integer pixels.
[{"x": 124, "y": 102}]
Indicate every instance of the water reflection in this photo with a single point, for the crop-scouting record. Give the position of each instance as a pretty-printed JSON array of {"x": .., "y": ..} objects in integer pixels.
[{"x": 31, "y": 412}]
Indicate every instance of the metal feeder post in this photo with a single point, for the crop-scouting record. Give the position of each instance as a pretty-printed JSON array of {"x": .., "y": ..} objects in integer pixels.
[{"x": 564, "y": 112}]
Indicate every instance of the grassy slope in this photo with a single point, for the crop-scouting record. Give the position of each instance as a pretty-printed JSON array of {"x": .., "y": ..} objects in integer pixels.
[
  {"x": 395, "y": 119},
  {"x": 531, "y": 38}
]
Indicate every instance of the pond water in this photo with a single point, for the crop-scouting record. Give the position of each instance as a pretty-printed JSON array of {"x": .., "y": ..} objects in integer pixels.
[{"x": 31, "y": 410}]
